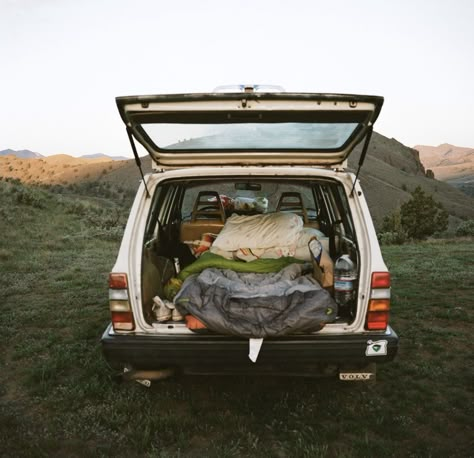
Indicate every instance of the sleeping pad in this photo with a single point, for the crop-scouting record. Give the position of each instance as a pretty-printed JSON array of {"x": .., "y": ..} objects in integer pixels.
[{"x": 256, "y": 305}]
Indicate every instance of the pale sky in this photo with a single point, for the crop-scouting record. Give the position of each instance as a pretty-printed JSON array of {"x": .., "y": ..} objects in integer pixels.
[{"x": 63, "y": 62}]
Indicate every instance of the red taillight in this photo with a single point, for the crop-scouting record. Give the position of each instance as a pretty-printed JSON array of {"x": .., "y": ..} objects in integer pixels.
[
  {"x": 378, "y": 314},
  {"x": 120, "y": 310},
  {"x": 379, "y": 303},
  {"x": 118, "y": 281},
  {"x": 123, "y": 321},
  {"x": 377, "y": 321},
  {"x": 380, "y": 280}
]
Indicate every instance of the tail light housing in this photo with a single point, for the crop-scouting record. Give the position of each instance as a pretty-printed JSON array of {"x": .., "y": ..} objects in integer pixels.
[
  {"x": 119, "y": 303},
  {"x": 379, "y": 303}
]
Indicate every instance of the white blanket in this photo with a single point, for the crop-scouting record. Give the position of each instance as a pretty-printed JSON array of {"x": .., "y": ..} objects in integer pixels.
[{"x": 259, "y": 231}]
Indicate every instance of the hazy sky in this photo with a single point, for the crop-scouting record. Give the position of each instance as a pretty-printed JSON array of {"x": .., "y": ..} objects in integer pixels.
[{"x": 63, "y": 62}]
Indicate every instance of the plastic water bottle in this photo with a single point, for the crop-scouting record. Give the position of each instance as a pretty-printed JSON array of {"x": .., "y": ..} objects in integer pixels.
[{"x": 345, "y": 275}]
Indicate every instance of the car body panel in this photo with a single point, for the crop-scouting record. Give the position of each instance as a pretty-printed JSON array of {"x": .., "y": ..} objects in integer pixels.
[{"x": 316, "y": 114}]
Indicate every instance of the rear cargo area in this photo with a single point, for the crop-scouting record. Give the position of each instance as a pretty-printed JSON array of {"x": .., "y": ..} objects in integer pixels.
[{"x": 248, "y": 257}]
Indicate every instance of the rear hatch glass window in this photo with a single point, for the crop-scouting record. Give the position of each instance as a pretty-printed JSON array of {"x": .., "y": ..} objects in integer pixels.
[{"x": 251, "y": 136}]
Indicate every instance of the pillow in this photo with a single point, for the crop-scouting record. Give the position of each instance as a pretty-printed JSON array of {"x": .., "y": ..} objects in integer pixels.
[{"x": 259, "y": 231}]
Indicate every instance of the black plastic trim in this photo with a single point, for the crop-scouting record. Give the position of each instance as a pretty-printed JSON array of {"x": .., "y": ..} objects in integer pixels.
[{"x": 211, "y": 353}]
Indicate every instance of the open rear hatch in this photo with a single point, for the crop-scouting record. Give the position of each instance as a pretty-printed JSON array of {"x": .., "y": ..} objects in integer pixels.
[{"x": 187, "y": 130}]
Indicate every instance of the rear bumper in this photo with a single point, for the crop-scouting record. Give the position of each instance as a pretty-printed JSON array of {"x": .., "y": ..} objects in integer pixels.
[{"x": 214, "y": 354}]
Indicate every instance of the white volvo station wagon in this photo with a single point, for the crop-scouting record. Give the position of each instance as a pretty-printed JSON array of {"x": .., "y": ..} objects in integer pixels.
[{"x": 250, "y": 248}]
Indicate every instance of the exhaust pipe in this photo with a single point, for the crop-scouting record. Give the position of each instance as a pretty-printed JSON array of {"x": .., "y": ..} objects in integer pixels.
[{"x": 145, "y": 377}]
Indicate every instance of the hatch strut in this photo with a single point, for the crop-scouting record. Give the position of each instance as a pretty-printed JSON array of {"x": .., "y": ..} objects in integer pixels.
[
  {"x": 137, "y": 159},
  {"x": 362, "y": 155}
]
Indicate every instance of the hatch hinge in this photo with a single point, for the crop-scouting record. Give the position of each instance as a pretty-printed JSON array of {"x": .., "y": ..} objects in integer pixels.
[
  {"x": 137, "y": 159},
  {"x": 362, "y": 155}
]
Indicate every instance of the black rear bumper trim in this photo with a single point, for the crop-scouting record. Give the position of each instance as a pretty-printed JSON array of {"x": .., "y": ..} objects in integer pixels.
[{"x": 222, "y": 354}]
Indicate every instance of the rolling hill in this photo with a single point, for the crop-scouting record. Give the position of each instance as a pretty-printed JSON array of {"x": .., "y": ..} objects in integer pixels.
[
  {"x": 22, "y": 154},
  {"x": 56, "y": 169},
  {"x": 453, "y": 164},
  {"x": 391, "y": 171},
  {"x": 104, "y": 156}
]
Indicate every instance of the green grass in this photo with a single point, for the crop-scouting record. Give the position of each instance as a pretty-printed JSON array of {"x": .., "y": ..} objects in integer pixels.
[{"x": 58, "y": 397}]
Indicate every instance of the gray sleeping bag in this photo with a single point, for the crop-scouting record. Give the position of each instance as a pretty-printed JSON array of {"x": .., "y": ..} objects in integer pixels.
[{"x": 257, "y": 305}]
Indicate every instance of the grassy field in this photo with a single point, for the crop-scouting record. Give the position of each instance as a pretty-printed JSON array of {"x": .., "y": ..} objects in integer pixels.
[{"x": 59, "y": 399}]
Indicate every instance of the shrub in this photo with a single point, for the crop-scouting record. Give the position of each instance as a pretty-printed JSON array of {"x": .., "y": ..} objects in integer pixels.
[
  {"x": 105, "y": 223},
  {"x": 25, "y": 196},
  {"x": 12, "y": 180},
  {"x": 77, "y": 207},
  {"x": 392, "y": 231},
  {"x": 392, "y": 238},
  {"x": 422, "y": 216},
  {"x": 466, "y": 228},
  {"x": 417, "y": 219}
]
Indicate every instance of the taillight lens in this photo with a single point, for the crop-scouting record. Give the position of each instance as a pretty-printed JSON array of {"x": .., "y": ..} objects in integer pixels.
[
  {"x": 123, "y": 321},
  {"x": 379, "y": 303},
  {"x": 119, "y": 304},
  {"x": 380, "y": 280},
  {"x": 118, "y": 281}
]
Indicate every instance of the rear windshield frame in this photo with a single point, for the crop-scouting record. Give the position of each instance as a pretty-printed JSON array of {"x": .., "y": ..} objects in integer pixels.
[{"x": 360, "y": 118}]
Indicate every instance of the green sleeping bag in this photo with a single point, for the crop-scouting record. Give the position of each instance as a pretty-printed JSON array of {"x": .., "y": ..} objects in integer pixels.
[{"x": 208, "y": 259}]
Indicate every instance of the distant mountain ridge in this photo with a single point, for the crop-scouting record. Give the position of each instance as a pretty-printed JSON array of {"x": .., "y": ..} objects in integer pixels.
[
  {"x": 104, "y": 156},
  {"x": 453, "y": 164},
  {"x": 448, "y": 160},
  {"x": 27, "y": 154},
  {"x": 23, "y": 153}
]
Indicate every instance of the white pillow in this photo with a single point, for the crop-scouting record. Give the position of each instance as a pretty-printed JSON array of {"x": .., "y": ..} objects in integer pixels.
[
  {"x": 307, "y": 234},
  {"x": 259, "y": 231}
]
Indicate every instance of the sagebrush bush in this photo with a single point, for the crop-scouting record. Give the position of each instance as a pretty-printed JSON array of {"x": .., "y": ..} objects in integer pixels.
[
  {"x": 76, "y": 207},
  {"x": 26, "y": 196},
  {"x": 13, "y": 180},
  {"x": 106, "y": 224},
  {"x": 392, "y": 238},
  {"x": 103, "y": 219},
  {"x": 466, "y": 228}
]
